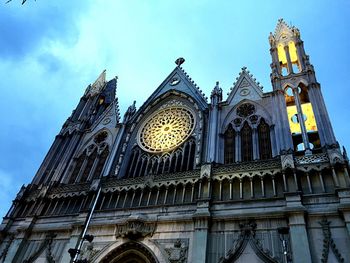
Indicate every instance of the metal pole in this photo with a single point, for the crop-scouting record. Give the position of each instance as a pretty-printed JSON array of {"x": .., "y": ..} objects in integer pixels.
[{"x": 86, "y": 225}]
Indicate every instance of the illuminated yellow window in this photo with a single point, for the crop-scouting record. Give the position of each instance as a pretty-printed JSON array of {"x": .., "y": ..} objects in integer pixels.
[
  {"x": 281, "y": 54},
  {"x": 310, "y": 122},
  {"x": 293, "y": 52},
  {"x": 309, "y": 118},
  {"x": 293, "y": 123}
]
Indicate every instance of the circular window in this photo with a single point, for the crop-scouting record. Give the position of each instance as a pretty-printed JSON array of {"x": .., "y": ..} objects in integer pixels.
[
  {"x": 166, "y": 129},
  {"x": 174, "y": 81}
]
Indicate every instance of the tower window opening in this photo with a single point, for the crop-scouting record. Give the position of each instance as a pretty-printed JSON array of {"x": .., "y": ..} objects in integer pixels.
[
  {"x": 298, "y": 143},
  {"x": 294, "y": 57},
  {"x": 303, "y": 94},
  {"x": 296, "y": 68},
  {"x": 300, "y": 147},
  {"x": 282, "y": 59},
  {"x": 314, "y": 139},
  {"x": 284, "y": 70},
  {"x": 289, "y": 92}
]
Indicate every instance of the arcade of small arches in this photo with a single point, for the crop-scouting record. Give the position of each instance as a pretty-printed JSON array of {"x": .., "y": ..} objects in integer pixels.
[{"x": 142, "y": 163}]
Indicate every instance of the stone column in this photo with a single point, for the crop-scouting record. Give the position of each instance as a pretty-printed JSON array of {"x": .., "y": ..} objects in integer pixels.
[
  {"x": 200, "y": 235},
  {"x": 238, "y": 146},
  {"x": 299, "y": 239},
  {"x": 282, "y": 130},
  {"x": 212, "y": 134},
  {"x": 344, "y": 206},
  {"x": 273, "y": 141},
  {"x": 318, "y": 117},
  {"x": 289, "y": 62},
  {"x": 70, "y": 244},
  {"x": 321, "y": 114},
  {"x": 48, "y": 159},
  {"x": 18, "y": 244},
  {"x": 297, "y": 228},
  {"x": 275, "y": 59},
  {"x": 73, "y": 143},
  {"x": 301, "y": 121},
  {"x": 255, "y": 144},
  {"x": 298, "y": 46}
]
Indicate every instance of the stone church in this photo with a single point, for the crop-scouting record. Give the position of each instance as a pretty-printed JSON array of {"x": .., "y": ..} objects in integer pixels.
[{"x": 253, "y": 177}]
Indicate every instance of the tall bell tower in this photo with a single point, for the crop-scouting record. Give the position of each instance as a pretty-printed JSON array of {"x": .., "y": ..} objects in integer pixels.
[{"x": 294, "y": 77}]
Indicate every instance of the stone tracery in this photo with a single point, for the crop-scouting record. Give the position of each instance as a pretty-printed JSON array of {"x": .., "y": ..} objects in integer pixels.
[{"x": 166, "y": 129}]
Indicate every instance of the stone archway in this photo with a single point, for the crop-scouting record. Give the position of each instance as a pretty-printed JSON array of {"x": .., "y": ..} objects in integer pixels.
[{"x": 130, "y": 252}]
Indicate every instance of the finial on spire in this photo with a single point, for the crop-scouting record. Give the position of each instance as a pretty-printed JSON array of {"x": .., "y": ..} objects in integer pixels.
[
  {"x": 179, "y": 61},
  {"x": 216, "y": 94}
]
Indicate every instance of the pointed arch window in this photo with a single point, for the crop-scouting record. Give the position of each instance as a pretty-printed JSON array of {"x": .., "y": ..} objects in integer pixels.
[
  {"x": 78, "y": 165},
  {"x": 101, "y": 162},
  {"x": 264, "y": 140},
  {"x": 89, "y": 164},
  {"x": 247, "y": 143},
  {"x": 229, "y": 147}
]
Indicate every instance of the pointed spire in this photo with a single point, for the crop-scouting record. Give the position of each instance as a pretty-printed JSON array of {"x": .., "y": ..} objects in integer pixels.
[
  {"x": 216, "y": 94},
  {"x": 283, "y": 32},
  {"x": 101, "y": 80},
  {"x": 98, "y": 85},
  {"x": 130, "y": 112}
]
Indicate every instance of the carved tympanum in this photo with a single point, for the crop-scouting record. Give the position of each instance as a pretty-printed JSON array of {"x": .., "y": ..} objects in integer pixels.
[{"x": 135, "y": 228}]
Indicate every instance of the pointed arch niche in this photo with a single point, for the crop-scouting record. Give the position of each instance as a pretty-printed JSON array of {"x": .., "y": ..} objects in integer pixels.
[
  {"x": 229, "y": 140},
  {"x": 264, "y": 140},
  {"x": 90, "y": 163},
  {"x": 247, "y": 143},
  {"x": 247, "y": 134},
  {"x": 130, "y": 252}
]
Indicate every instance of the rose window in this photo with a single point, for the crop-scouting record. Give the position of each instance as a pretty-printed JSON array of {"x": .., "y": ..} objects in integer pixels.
[{"x": 166, "y": 129}]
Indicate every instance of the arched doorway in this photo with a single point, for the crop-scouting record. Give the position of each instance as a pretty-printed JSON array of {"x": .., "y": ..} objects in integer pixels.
[{"x": 130, "y": 252}]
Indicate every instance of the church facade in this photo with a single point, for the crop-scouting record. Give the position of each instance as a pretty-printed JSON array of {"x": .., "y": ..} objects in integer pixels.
[{"x": 258, "y": 177}]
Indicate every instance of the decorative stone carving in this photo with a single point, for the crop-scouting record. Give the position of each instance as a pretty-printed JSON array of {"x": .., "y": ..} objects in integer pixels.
[
  {"x": 175, "y": 250},
  {"x": 89, "y": 251},
  {"x": 287, "y": 161},
  {"x": 244, "y": 83},
  {"x": 135, "y": 229},
  {"x": 20, "y": 193},
  {"x": 253, "y": 119},
  {"x": 335, "y": 156},
  {"x": 314, "y": 158},
  {"x": 166, "y": 129},
  {"x": 101, "y": 137},
  {"x": 247, "y": 235},
  {"x": 174, "y": 80},
  {"x": 205, "y": 170},
  {"x": 328, "y": 242},
  {"x": 47, "y": 243},
  {"x": 245, "y": 110},
  {"x": 95, "y": 184},
  {"x": 237, "y": 122}
]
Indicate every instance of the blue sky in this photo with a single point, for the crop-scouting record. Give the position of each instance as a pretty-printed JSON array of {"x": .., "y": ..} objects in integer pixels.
[{"x": 50, "y": 50}]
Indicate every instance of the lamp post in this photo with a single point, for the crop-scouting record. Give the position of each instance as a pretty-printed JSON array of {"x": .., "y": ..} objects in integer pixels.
[{"x": 283, "y": 234}]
